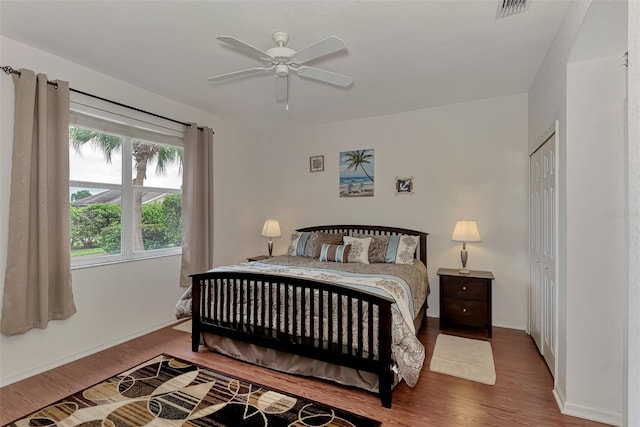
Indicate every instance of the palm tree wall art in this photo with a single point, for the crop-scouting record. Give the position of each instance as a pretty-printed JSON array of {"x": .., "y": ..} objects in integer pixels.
[{"x": 356, "y": 173}]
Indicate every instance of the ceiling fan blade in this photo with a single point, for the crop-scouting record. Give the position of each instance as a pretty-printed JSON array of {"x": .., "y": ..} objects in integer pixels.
[
  {"x": 325, "y": 76},
  {"x": 238, "y": 73},
  {"x": 243, "y": 47},
  {"x": 323, "y": 47},
  {"x": 281, "y": 88}
]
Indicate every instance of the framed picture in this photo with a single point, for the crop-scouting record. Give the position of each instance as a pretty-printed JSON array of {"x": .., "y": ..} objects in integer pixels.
[
  {"x": 356, "y": 173},
  {"x": 316, "y": 163},
  {"x": 404, "y": 185}
]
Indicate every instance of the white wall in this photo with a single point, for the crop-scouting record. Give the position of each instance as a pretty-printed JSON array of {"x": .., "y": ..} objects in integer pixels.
[
  {"x": 112, "y": 301},
  {"x": 469, "y": 161},
  {"x": 583, "y": 293},
  {"x": 595, "y": 235}
]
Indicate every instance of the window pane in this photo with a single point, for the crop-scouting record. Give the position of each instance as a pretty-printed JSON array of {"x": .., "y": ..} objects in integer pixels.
[
  {"x": 95, "y": 222},
  {"x": 94, "y": 156},
  {"x": 157, "y": 220},
  {"x": 156, "y": 165}
]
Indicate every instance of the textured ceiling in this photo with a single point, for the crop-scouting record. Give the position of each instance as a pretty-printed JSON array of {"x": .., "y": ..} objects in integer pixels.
[{"x": 402, "y": 55}]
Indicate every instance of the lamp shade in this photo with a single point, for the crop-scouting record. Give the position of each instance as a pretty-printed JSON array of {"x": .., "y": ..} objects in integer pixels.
[
  {"x": 466, "y": 231},
  {"x": 271, "y": 228}
]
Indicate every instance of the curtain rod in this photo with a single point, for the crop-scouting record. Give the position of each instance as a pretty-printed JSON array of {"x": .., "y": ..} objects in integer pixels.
[{"x": 9, "y": 70}]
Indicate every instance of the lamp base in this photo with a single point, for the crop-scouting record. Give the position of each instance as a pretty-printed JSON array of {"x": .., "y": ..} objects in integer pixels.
[{"x": 463, "y": 258}]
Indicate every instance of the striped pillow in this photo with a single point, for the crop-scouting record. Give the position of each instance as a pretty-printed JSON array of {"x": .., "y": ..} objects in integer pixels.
[
  {"x": 317, "y": 239},
  {"x": 335, "y": 253},
  {"x": 298, "y": 243}
]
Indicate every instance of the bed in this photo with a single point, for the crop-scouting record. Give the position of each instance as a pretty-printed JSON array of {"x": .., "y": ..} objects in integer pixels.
[{"x": 349, "y": 322}]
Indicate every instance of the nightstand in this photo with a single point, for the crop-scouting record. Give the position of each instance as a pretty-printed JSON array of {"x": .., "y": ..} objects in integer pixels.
[
  {"x": 258, "y": 258},
  {"x": 465, "y": 300}
]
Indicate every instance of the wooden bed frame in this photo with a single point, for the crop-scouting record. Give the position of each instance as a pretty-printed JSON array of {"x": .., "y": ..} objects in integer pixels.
[{"x": 217, "y": 309}]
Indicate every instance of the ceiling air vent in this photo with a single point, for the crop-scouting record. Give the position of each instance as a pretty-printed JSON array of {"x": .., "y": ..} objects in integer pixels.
[{"x": 511, "y": 7}]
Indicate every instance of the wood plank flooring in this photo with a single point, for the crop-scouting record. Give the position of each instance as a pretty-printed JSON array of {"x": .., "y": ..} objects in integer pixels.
[{"x": 521, "y": 396}]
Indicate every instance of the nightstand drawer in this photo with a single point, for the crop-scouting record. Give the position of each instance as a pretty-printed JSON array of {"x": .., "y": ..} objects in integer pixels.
[
  {"x": 465, "y": 312},
  {"x": 464, "y": 287}
]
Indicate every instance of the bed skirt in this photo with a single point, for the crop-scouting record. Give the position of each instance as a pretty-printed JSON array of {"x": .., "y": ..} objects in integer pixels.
[{"x": 293, "y": 364}]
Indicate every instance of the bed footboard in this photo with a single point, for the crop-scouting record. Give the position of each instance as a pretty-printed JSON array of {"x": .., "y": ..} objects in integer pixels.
[{"x": 309, "y": 318}]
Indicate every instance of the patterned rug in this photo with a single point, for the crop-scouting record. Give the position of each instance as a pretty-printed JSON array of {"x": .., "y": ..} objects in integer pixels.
[{"x": 166, "y": 391}]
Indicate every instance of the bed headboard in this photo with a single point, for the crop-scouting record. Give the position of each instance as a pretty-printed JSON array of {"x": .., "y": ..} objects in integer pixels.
[{"x": 375, "y": 230}]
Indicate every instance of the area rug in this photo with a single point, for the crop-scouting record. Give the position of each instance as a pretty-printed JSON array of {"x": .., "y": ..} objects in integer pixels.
[
  {"x": 166, "y": 391},
  {"x": 464, "y": 358}
]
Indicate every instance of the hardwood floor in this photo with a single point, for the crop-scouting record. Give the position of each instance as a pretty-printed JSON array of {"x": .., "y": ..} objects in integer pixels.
[{"x": 521, "y": 396}]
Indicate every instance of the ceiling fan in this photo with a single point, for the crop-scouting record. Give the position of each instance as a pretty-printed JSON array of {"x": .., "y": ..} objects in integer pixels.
[{"x": 283, "y": 60}]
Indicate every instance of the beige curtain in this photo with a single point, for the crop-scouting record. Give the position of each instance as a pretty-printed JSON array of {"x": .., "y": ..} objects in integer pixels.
[
  {"x": 197, "y": 202},
  {"x": 37, "y": 286}
]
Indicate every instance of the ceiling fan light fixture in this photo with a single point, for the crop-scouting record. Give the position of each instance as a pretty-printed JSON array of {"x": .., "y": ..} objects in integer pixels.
[{"x": 282, "y": 70}]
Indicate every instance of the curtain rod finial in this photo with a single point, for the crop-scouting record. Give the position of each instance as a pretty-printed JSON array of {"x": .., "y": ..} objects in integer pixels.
[{"x": 9, "y": 70}]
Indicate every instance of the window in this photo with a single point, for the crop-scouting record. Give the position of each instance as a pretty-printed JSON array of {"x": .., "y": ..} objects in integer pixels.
[{"x": 124, "y": 190}]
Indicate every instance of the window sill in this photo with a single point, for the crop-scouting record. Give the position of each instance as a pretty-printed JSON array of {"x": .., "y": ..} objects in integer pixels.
[{"x": 101, "y": 263}]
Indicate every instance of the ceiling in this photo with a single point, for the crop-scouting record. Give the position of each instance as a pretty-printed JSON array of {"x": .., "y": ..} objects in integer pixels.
[{"x": 402, "y": 55}]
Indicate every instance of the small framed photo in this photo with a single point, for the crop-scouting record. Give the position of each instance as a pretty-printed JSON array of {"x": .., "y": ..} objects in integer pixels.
[
  {"x": 316, "y": 163},
  {"x": 404, "y": 185}
]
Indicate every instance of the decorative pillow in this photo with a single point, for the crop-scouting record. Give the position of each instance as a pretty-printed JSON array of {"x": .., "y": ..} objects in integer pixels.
[
  {"x": 359, "y": 249},
  {"x": 298, "y": 243},
  {"x": 317, "y": 239},
  {"x": 337, "y": 253},
  {"x": 378, "y": 248},
  {"x": 401, "y": 249}
]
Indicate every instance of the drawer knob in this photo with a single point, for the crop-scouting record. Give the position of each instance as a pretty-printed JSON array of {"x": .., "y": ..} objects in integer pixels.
[{"x": 464, "y": 288}]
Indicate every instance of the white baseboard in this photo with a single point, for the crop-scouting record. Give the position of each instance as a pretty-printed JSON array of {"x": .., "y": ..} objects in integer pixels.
[
  {"x": 592, "y": 414},
  {"x": 80, "y": 354},
  {"x": 510, "y": 325},
  {"x": 584, "y": 412},
  {"x": 559, "y": 396},
  {"x": 499, "y": 324}
]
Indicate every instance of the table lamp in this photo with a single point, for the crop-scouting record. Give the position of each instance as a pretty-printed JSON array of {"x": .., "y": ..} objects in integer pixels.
[
  {"x": 465, "y": 231},
  {"x": 271, "y": 229}
]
